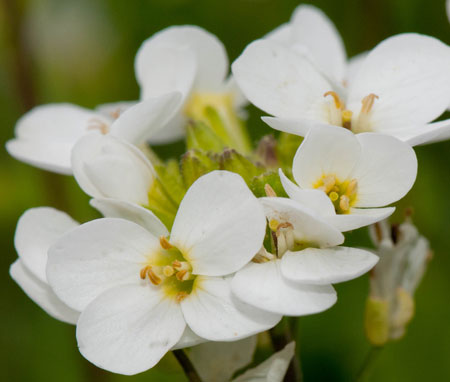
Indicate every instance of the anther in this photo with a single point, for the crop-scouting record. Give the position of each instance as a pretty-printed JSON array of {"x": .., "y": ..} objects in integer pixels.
[
  {"x": 333, "y": 196},
  {"x": 269, "y": 190},
  {"x": 328, "y": 183},
  {"x": 337, "y": 101},
  {"x": 183, "y": 275},
  {"x": 180, "y": 296},
  {"x": 165, "y": 243},
  {"x": 181, "y": 265},
  {"x": 344, "y": 203},
  {"x": 367, "y": 102},
  {"x": 96, "y": 124},
  {"x": 273, "y": 224},
  {"x": 352, "y": 188},
  {"x": 143, "y": 272},
  {"x": 154, "y": 278}
]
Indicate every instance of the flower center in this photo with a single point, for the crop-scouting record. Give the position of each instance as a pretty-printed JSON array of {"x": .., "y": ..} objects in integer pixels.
[
  {"x": 340, "y": 116},
  {"x": 342, "y": 194},
  {"x": 169, "y": 270}
]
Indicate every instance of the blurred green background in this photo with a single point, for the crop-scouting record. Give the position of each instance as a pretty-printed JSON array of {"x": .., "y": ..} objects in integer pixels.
[{"x": 82, "y": 52}]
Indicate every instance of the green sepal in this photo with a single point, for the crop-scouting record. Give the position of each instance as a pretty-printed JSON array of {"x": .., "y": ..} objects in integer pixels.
[
  {"x": 161, "y": 204},
  {"x": 194, "y": 164},
  {"x": 376, "y": 321},
  {"x": 200, "y": 136},
  {"x": 170, "y": 177}
]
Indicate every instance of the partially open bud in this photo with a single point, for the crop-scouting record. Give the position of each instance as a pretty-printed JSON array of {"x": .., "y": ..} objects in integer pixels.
[{"x": 404, "y": 255}]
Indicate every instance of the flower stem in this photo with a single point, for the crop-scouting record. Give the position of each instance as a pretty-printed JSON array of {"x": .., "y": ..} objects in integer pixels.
[
  {"x": 186, "y": 365},
  {"x": 280, "y": 337},
  {"x": 368, "y": 363}
]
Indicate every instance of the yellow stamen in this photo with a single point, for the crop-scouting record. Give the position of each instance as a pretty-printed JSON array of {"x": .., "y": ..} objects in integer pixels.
[
  {"x": 154, "y": 278},
  {"x": 367, "y": 102},
  {"x": 333, "y": 196},
  {"x": 352, "y": 188},
  {"x": 165, "y": 243},
  {"x": 269, "y": 190},
  {"x": 344, "y": 203},
  {"x": 143, "y": 272},
  {"x": 273, "y": 224},
  {"x": 328, "y": 183},
  {"x": 347, "y": 119},
  {"x": 337, "y": 101},
  {"x": 96, "y": 124},
  {"x": 180, "y": 296}
]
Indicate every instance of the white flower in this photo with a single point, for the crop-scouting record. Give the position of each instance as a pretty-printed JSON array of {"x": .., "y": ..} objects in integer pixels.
[
  {"x": 138, "y": 293},
  {"x": 400, "y": 87},
  {"x": 46, "y": 135},
  {"x": 347, "y": 177},
  {"x": 194, "y": 62},
  {"x": 296, "y": 279},
  {"x": 37, "y": 229},
  {"x": 311, "y": 32}
]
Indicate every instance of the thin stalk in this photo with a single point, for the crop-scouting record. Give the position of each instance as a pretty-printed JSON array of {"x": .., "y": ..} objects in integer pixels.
[
  {"x": 186, "y": 365},
  {"x": 280, "y": 337},
  {"x": 367, "y": 366}
]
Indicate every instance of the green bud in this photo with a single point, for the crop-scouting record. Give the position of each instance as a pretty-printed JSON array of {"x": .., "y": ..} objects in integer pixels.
[
  {"x": 196, "y": 163},
  {"x": 201, "y": 136},
  {"x": 286, "y": 148},
  {"x": 231, "y": 160},
  {"x": 161, "y": 204},
  {"x": 272, "y": 179},
  {"x": 376, "y": 321}
]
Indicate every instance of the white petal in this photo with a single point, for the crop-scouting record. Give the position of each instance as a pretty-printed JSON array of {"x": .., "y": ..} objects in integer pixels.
[
  {"x": 113, "y": 208},
  {"x": 297, "y": 126},
  {"x": 309, "y": 227},
  {"x": 313, "y": 199},
  {"x": 50, "y": 156},
  {"x": 188, "y": 339},
  {"x": 220, "y": 225},
  {"x": 209, "y": 52},
  {"x": 213, "y": 313},
  {"x": 386, "y": 170},
  {"x": 409, "y": 73},
  {"x": 272, "y": 369},
  {"x": 312, "y": 28},
  {"x": 143, "y": 120},
  {"x": 359, "y": 217},
  {"x": 325, "y": 266},
  {"x": 325, "y": 151},
  {"x": 107, "y": 167},
  {"x": 425, "y": 134},
  {"x": 128, "y": 329},
  {"x": 37, "y": 229},
  {"x": 239, "y": 99},
  {"x": 115, "y": 109},
  {"x": 41, "y": 293},
  {"x": 263, "y": 286},
  {"x": 162, "y": 69},
  {"x": 353, "y": 67},
  {"x": 218, "y": 361},
  {"x": 97, "y": 256},
  {"x": 280, "y": 81},
  {"x": 173, "y": 131},
  {"x": 281, "y": 34}
]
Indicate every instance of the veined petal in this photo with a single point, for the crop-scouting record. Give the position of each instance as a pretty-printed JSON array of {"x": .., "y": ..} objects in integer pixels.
[
  {"x": 314, "y": 199},
  {"x": 297, "y": 126},
  {"x": 385, "y": 172},
  {"x": 37, "y": 229},
  {"x": 353, "y": 67},
  {"x": 425, "y": 134},
  {"x": 309, "y": 226},
  {"x": 409, "y": 74},
  {"x": 326, "y": 266},
  {"x": 143, "y": 120},
  {"x": 220, "y": 225},
  {"x": 281, "y": 81},
  {"x": 113, "y": 208},
  {"x": 272, "y": 369},
  {"x": 210, "y": 54},
  {"x": 313, "y": 29},
  {"x": 325, "y": 151},
  {"x": 173, "y": 131},
  {"x": 213, "y": 313},
  {"x": 228, "y": 358},
  {"x": 97, "y": 256},
  {"x": 41, "y": 293},
  {"x": 128, "y": 329},
  {"x": 263, "y": 286},
  {"x": 358, "y": 217},
  {"x": 107, "y": 167},
  {"x": 162, "y": 69}
]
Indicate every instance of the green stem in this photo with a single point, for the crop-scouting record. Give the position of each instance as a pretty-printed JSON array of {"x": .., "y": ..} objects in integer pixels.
[
  {"x": 186, "y": 365},
  {"x": 368, "y": 364}
]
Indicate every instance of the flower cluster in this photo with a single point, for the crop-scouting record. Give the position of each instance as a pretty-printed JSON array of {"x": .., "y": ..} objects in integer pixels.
[{"x": 219, "y": 245}]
